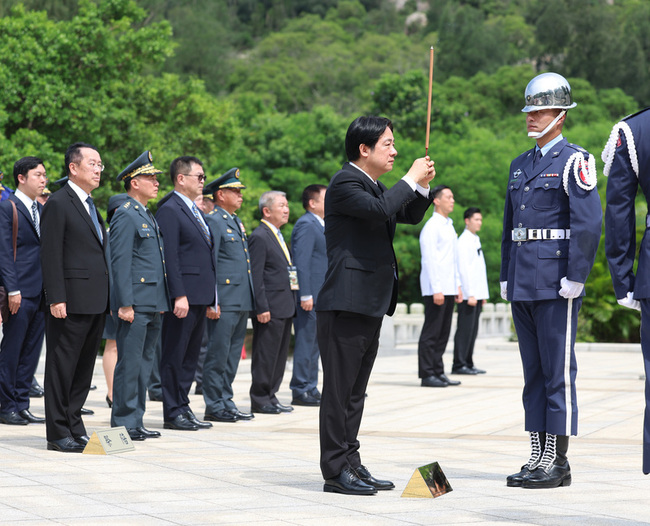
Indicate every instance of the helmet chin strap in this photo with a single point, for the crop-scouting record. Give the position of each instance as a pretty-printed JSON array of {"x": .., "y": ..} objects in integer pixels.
[{"x": 539, "y": 135}]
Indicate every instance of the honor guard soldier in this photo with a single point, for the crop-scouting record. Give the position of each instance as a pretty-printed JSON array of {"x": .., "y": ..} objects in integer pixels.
[
  {"x": 138, "y": 294},
  {"x": 627, "y": 165},
  {"x": 234, "y": 296},
  {"x": 551, "y": 229}
]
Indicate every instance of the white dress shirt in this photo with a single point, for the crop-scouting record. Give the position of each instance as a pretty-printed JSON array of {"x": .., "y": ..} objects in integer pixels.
[
  {"x": 438, "y": 245},
  {"x": 471, "y": 267}
]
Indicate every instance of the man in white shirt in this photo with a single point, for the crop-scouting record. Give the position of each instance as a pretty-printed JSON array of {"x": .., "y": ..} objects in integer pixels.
[
  {"x": 440, "y": 287},
  {"x": 473, "y": 282}
]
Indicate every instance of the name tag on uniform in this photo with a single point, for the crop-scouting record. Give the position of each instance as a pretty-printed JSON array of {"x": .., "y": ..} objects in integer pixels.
[{"x": 293, "y": 277}]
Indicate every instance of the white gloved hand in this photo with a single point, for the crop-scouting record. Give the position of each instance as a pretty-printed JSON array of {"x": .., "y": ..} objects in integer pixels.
[
  {"x": 629, "y": 302},
  {"x": 504, "y": 290},
  {"x": 570, "y": 289}
]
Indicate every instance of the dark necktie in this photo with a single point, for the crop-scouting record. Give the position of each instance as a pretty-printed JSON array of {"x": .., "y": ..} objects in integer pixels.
[
  {"x": 537, "y": 158},
  {"x": 35, "y": 218},
  {"x": 204, "y": 228},
  {"x": 93, "y": 217}
]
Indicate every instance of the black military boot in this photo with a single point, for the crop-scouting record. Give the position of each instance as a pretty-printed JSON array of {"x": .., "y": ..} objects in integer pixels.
[
  {"x": 536, "y": 439},
  {"x": 553, "y": 470}
]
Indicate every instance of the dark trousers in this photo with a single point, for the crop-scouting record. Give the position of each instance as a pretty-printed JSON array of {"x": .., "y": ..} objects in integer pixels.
[
  {"x": 154, "y": 387},
  {"x": 434, "y": 336},
  {"x": 20, "y": 349},
  {"x": 72, "y": 345},
  {"x": 136, "y": 347},
  {"x": 225, "y": 341},
  {"x": 198, "y": 375},
  {"x": 348, "y": 343},
  {"x": 546, "y": 331},
  {"x": 270, "y": 347},
  {"x": 466, "y": 331},
  {"x": 645, "y": 348},
  {"x": 305, "y": 353},
  {"x": 181, "y": 343}
]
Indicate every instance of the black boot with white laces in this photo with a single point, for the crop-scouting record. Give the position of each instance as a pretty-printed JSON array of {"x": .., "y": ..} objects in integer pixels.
[
  {"x": 536, "y": 439},
  {"x": 553, "y": 470}
]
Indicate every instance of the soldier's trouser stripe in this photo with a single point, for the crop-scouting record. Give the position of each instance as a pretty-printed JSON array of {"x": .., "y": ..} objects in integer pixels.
[{"x": 567, "y": 368}]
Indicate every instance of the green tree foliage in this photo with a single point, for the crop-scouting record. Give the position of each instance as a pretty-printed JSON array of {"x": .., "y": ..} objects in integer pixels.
[{"x": 271, "y": 86}]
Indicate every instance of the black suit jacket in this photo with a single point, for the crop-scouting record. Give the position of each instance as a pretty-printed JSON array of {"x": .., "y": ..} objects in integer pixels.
[
  {"x": 270, "y": 274},
  {"x": 73, "y": 256},
  {"x": 25, "y": 273},
  {"x": 188, "y": 255},
  {"x": 360, "y": 219}
]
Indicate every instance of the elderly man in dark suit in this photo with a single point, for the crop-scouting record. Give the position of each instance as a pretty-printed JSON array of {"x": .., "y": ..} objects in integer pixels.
[
  {"x": 139, "y": 294},
  {"x": 360, "y": 288},
  {"x": 235, "y": 294},
  {"x": 191, "y": 277},
  {"x": 76, "y": 284},
  {"x": 20, "y": 273},
  {"x": 310, "y": 256},
  {"x": 274, "y": 282}
]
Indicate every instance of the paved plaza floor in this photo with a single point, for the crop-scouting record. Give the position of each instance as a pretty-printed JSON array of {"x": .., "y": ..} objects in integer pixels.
[{"x": 265, "y": 472}]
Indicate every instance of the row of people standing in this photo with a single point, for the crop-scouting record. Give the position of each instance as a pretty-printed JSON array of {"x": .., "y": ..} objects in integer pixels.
[{"x": 161, "y": 294}]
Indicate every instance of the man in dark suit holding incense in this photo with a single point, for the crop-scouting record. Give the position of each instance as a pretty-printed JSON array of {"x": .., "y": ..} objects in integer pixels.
[{"x": 360, "y": 288}]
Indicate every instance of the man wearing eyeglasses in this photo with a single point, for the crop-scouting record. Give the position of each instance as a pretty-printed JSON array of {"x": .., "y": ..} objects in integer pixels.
[
  {"x": 75, "y": 281},
  {"x": 138, "y": 295},
  {"x": 191, "y": 277}
]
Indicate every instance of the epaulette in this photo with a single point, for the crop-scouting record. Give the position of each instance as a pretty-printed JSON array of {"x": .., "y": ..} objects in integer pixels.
[
  {"x": 613, "y": 142},
  {"x": 583, "y": 171},
  {"x": 127, "y": 204}
]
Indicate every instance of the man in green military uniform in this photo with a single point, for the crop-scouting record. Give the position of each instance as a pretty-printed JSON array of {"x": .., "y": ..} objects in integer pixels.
[
  {"x": 234, "y": 297},
  {"x": 139, "y": 294}
]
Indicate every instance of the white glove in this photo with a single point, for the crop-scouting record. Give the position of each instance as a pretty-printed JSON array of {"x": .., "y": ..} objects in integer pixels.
[
  {"x": 570, "y": 289},
  {"x": 504, "y": 290},
  {"x": 629, "y": 302}
]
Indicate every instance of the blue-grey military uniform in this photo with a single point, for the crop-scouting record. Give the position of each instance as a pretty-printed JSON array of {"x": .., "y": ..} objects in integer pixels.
[
  {"x": 627, "y": 165},
  {"x": 235, "y": 298},
  {"x": 551, "y": 229},
  {"x": 139, "y": 280}
]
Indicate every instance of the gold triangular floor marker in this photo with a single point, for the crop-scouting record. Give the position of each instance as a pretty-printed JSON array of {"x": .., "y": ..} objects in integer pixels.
[{"x": 427, "y": 482}]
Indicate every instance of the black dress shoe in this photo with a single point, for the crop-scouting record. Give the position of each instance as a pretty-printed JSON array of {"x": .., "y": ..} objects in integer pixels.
[
  {"x": 180, "y": 423},
  {"x": 147, "y": 432},
  {"x": 477, "y": 371},
  {"x": 284, "y": 408},
  {"x": 363, "y": 473},
  {"x": 220, "y": 416},
  {"x": 348, "y": 483},
  {"x": 558, "y": 475},
  {"x": 65, "y": 445},
  {"x": 463, "y": 370},
  {"x": 198, "y": 423},
  {"x": 13, "y": 419},
  {"x": 82, "y": 439},
  {"x": 109, "y": 402},
  {"x": 85, "y": 411},
  {"x": 25, "y": 414},
  {"x": 433, "y": 381},
  {"x": 266, "y": 409},
  {"x": 155, "y": 397},
  {"x": 516, "y": 479},
  {"x": 449, "y": 382},
  {"x": 35, "y": 390},
  {"x": 135, "y": 435},
  {"x": 305, "y": 399},
  {"x": 316, "y": 394},
  {"x": 93, "y": 387},
  {"x": 241, "y": 415}
]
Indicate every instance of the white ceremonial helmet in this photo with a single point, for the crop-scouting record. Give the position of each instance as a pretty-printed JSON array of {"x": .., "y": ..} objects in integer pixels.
[{"x": 548, "y": 91}]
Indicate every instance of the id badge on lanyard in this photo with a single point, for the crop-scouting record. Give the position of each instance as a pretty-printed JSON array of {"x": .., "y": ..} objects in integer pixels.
[{"x": 293, "y": 277}]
